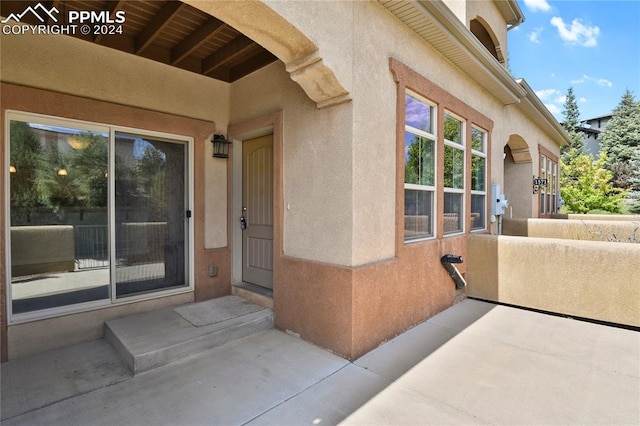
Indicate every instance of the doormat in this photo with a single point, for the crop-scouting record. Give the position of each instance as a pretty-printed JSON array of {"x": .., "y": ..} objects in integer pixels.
[{"x": 217, "y": 310}]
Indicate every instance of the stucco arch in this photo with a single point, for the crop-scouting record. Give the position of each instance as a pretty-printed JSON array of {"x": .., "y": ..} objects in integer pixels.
[
  {"x": 483, "y": 32},
  {"x": 519, "y": 149},
  {"x": 272, "y": 31},
  {"x": 518, "y": 171}
]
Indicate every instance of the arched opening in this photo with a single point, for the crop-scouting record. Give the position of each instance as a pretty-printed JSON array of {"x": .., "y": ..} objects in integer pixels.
[
  {"x": 483, "y": 33},
  {"x": 272, "y": 31},
  {"x": 518, "y": 173}
]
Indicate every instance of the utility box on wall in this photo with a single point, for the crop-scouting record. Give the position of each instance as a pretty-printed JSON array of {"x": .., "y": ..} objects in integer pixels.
[{"x": 498, "y": 200}]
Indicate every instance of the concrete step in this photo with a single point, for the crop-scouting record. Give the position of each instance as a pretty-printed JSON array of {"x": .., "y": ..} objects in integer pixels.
[
  {"x": 152, "y": 339},
  {"x": 253, "y": 293}
]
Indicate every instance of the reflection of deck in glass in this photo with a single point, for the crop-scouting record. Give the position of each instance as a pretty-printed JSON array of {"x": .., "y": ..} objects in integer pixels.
[
  {"x": 91, "y": 246},
  {"x": 50, "y": 290}
]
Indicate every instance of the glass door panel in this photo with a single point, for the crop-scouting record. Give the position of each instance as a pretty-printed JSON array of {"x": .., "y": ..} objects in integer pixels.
[
  {"x": 59, "y": 215},
  {"x": 150, "y": 220}
]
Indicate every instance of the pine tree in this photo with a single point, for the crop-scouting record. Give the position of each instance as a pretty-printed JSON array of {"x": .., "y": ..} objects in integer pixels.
[
  {"x": 571, "y": 124},
  {"x": 621, "y": 142}
]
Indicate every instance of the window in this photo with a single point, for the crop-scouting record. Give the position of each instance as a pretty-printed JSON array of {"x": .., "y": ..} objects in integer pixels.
[
  {"x": 419, "y": 168},
  {"x": 548, "y": 194},
  {"x": 97, "y": 213},
  {"x": 478, "y": 178},
  {"x": 454, "y": 174},
  {"x": 442, "y": 148}
]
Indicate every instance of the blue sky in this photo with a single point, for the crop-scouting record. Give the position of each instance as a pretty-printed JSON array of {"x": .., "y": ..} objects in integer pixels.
[{"x": 592, "y": 46}]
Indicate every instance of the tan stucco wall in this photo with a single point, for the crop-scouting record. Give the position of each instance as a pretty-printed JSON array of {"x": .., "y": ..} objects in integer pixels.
[
  {"x": 345, "y": 285},
  {"x": 68, "y": 65},
  {"x": 459, "y": 8},
  {"x": 317, "y": 165},
  {"x": 488, "y": 11},
  {"x": 587, "y": 279},
  {"x": 588, "y": 217},
  {"x": 339, "y": 162},
  {"x": 518, "y": 188},
  {"x": 573, "y": 229}
]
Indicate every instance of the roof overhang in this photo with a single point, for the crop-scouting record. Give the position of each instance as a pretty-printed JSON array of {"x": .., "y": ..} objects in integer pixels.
[
  {"x": 511, "y": 12},
  {"x": 434, "y": 22},
  {"x": 536, "y": 111}
]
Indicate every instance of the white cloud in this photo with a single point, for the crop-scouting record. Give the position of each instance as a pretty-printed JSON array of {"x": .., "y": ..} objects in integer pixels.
[
  {"x": 604, "y": 82},
  {"x": 553, "y": 109},
  {"x": 535, "y": 34},
  {"x": 582, "y": 100},
  {"x": 561, "y": 99},
  {"x": 599, "y": 81},
  {"x": 537, "y": 5},
  {"x": 578, "y": 33},
  {"x": 545, "y": 94}
]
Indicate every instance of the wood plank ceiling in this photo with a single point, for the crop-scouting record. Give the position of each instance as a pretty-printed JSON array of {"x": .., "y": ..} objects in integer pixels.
[{"x": 170, "y": 32}]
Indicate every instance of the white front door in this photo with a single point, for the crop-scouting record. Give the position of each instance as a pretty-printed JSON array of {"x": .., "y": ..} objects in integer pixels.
[{"x": 257, "y": 211}]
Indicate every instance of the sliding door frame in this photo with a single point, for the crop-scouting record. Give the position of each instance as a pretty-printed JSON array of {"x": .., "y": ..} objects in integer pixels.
[{"x": 111, "y": 130}]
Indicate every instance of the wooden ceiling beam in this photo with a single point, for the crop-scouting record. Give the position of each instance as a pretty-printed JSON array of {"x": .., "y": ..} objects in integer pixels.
[
  {"x": 261, "y": 59},
  {"x": 187, "y": 46},
  {"x": 159, "y": 22},
  {"x": 226, "y": 53},
  {"x": 112, "y": 8}
]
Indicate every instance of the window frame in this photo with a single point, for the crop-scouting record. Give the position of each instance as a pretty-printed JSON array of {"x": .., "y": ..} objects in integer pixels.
[
  {"x": 460, "y": 146},
  {"x": 548, "y": 168},
  {"x": 433, "y": 189},
  {"x": 482, "y": 154},
  {"x": 111, "y": 130},
  {"x": 407, "y": 79}
]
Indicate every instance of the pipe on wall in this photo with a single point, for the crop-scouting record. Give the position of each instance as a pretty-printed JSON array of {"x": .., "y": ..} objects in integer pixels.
[{"x": 449, "y": 261}]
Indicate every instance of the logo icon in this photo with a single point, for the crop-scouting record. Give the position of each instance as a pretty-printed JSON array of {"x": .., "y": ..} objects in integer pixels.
[{"x": 48, "y": 13}]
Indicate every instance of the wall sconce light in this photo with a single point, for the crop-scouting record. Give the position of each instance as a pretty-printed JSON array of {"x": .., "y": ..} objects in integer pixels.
[
  {"x": 220, "y": 146},
  {"x": 12, "y": 169}
]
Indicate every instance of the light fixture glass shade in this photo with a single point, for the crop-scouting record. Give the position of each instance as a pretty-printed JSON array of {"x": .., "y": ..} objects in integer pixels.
[{"x": 220, "y": 146}]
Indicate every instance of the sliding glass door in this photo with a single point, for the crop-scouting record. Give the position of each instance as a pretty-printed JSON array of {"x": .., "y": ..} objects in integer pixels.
[
  {"x": 97, "y": 214},
  {"x": 150, "y": 214}
]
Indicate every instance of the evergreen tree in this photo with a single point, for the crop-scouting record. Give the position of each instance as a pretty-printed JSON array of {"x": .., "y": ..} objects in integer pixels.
[
  {"x": 571, "y": 124},
  {"x": 621, "y": 142}
]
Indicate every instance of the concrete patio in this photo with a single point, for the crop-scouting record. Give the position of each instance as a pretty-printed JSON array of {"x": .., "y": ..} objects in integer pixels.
[{"x": 475, "y": 363}]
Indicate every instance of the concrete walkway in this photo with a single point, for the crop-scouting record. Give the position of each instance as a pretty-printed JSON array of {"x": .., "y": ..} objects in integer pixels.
[{"x": 475, "y": 363}]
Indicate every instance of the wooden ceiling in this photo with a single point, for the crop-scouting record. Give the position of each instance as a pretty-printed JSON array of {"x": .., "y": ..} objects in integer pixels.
[{"x": 170, "y": 32}]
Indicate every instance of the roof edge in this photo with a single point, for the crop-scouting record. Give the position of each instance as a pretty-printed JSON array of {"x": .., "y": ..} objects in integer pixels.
[
  {"x": 534, "y": 101},
  {"x": 511, "y": 12},
  {"x": 459, "y": 32}
]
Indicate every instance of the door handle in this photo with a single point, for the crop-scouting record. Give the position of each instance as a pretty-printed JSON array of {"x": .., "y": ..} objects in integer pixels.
[{"x": 243, "y": 223}]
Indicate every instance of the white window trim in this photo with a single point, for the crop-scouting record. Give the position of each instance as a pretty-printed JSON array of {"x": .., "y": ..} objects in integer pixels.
[
  {"x": 426, "y": 188},
  {"x": 462, "y": 147},
  {"x": 110, "y": 129},
  {"x": 481, "y": 154}
]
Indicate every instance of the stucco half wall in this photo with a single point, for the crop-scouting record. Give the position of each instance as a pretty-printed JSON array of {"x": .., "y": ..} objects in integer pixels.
[{"x": 587, "y": 279}]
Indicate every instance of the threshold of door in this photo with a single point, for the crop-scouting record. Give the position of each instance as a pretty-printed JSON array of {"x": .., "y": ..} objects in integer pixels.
[{"x": 254, "y": 293}]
